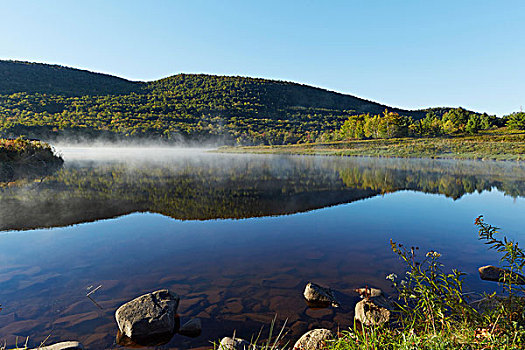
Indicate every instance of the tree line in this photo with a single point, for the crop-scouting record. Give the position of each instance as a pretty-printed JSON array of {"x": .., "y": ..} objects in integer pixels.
[{"x": 455, "y": 121}]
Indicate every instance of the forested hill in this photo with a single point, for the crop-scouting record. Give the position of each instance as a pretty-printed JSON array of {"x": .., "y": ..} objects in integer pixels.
[
  {"x": 16, "y": 76},
  {"x": 270, "y": 96},
  {"x": 48, "y": 101}
]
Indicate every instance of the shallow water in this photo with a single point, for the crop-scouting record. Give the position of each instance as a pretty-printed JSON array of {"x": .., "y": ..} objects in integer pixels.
[{"x": 236, "y": 236}]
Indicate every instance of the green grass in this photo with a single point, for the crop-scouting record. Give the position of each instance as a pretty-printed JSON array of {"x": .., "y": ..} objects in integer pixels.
[
  {"x": 493, "y": 145},
  {"x": 386, "y": 339}
]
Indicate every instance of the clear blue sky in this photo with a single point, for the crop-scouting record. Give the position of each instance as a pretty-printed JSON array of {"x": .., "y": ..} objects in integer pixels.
[{"x": 410, "y": 54}]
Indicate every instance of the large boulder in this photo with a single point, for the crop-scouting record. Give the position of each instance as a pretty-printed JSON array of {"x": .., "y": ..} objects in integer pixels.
[
  {"x": 372, "y": 312},
  {"x": 317, "y": 296},
  {"x": 149, "y": 316},
  {"x": 314, "y": 339},
  {"x": 228, "y": 343},
  {"x": 65, "y": 345},
  {"x": 497, "y": 274}
]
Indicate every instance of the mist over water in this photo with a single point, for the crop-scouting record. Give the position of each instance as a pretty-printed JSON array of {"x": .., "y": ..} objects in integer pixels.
[
  {"x": 236, "y": 236},
  {"x": 126, "y": 152}
]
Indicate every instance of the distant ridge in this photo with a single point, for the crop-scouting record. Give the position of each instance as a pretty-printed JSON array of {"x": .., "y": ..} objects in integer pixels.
[
  {"x": 18, "y": 76},
  {"x": 28, "y": 77},
  {"x": 277, "y": 94}
]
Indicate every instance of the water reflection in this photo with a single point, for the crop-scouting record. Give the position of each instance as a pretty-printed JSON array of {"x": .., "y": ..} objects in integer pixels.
[
  {"x": 199, "y": 186},
  {"x": 234, "y": 274},
  {"x": 154, "y": 341},
  {"x": 27, "y": 171}
]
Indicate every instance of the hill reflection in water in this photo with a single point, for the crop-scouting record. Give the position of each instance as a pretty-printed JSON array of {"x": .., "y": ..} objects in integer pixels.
[{"x": 192, "y": 185}]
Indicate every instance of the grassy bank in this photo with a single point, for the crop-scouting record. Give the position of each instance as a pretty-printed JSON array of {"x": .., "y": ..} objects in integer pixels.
[{"x": 493, "y": 145}]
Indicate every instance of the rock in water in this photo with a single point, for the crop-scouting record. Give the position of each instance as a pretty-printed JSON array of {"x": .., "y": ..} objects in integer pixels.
[
  {"x": 372, "y": 312},
  {"x": 497, "y": 274},
  {"x": 228, "y": 343},
  {"x": 318, "y": 296},
  {"x": 66, "y": 345},
  {"x": 314, "y": 339},
  {"x": 368, "y": 292},
  {"x": 149, "y": 316},
  {"x": 192, "y": 328}
]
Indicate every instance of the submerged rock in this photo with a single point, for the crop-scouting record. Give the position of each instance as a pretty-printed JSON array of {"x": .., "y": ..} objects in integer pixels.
[
  {"x": 372, "y": 312},
  {"x": 66, "y": 345},
  {"x": 192, "y": 328},
  {"x": 149, "y": 316},
  {"x": 314, "y": 339},
  {"x": 317, "y": 296},
  {"x": 497, "y": 274},
  {"x": 228, "y": 343},
  {"x": 157, "y": 340},
  {"x": 368, "y": 292}
]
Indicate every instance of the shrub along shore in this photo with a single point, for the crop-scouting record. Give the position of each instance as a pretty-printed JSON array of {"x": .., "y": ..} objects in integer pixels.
[
  {"x": 496, "y": 145},
  {"x": 21, "y": 158}
]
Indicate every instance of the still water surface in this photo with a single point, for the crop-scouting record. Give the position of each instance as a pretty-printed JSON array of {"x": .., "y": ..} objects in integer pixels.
[{"x": 236, "y": 236}]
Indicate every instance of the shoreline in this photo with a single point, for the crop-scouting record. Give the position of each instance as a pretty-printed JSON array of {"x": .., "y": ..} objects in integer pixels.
[{"x": 484, "y": 147}]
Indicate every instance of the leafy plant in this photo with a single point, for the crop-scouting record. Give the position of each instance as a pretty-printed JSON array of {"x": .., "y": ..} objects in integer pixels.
[
  {"x": 511, "y": 307},
  {"x": 430, "y": 300}
]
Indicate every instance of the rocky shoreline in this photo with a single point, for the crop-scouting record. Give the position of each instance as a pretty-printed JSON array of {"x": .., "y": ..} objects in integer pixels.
[{"x": 152, "y": 320}]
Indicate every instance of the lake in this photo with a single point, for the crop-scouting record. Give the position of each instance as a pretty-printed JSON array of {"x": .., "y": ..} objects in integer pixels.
[{"x": 236, "y": 236}]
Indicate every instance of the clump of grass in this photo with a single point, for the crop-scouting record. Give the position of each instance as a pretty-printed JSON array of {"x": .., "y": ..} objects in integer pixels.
[
  {"x": 270, "y": 343},
  {"x": 24, "y": 346}
]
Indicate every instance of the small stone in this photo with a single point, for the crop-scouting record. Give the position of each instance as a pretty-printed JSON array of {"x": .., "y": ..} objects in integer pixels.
[
  {"x": 298, "y": 328},
  {"x": 497, "y": 274},
  {"x": 192, "y": 328},
  {"x": 314, "y": 339},
  {"x": 228, "y": 343},
  {"x": 368, "y": 292},
  {"x": 371, "y": 313},
  {"x": 149, "y": 316},
  {"x": 318, "y": 296},
  {"x": 66, "y": 345},
  {"x": 319, "y": 313},
  {"x": 233, "y": 306}
]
